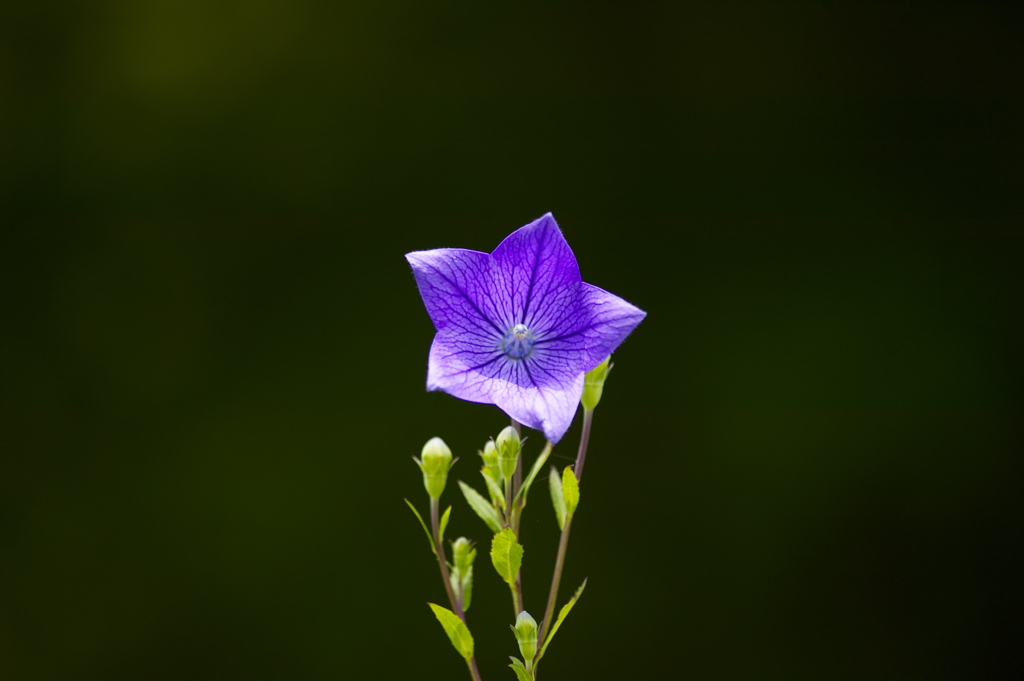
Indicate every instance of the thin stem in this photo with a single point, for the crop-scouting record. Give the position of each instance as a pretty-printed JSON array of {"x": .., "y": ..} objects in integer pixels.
[
  {"x": 588, "y": 419},
  {"x": 442, "y": 561},
  {"x": 517, "y": 593},
  {"x": 556, "y": 579},
  {"x": 563, "y": 543},
  {"x": 456, "y": 603},
  {"x": 513, "y": 520},
  {"x": 519, "y": 464},
  {"x": 508, "y": 503}
]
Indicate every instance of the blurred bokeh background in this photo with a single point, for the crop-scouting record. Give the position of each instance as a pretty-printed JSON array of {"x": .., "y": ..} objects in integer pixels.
[{"x": 212, "y": 352}]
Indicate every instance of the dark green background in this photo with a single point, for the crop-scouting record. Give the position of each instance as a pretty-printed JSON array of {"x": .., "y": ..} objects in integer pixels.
[{"x": 806, "y": 465}]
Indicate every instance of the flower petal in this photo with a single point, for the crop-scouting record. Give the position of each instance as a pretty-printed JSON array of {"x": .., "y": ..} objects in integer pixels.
[
  {"x": 466, "y": 368},
  {"x": 602, "y": 323},
  {"x": 456, "y": 286},
  {"x": 531, "y": 264},
  {"x": 548, "y": 408},
  {"x": 531, "y": 278},
  {"x": 541, "y": 391}
]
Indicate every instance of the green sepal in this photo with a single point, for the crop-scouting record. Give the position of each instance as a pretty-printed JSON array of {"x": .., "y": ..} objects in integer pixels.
[
  {"x": 458, "y": 632},
  {"x": 557, "y": 500},
  {"x": 423, "y": 525},
  {"x": 467, "y": 589},
  {"x": 506, "y": 555},
  {"x": 561, "y": 616},
  {"x": 455, "y": 577},
  {"x": 570, "y": 490},
  {"x": 520, "y": 670},
  {"x": 525, "y": 489},
  {"x": 497, "y": 495},
  {"x": 481, "y": 507},
  {"x": 444, "y": 522}
]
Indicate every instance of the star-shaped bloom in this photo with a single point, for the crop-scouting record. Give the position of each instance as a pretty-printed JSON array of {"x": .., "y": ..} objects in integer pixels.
[{"x": 518, "y": 327}]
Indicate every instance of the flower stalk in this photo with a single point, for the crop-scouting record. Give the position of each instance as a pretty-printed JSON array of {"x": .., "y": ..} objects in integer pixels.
[
  {"x": 563, "y": 542},
  {"x": 556, "y": 578},
  {"x": 456, "y": 603},
  {"x": 581, "y": 455}
]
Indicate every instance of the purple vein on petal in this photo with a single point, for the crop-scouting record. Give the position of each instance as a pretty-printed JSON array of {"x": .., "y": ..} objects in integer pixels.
[
  {"x": 470, "y": 301},
  {"x": 533, "y": 277}
]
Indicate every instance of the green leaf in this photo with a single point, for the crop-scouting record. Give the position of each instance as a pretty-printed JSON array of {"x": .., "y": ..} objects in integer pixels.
[
  {"x": 570, "y": 490},
  {"x": 537, "y": 465},
  {"x": 520, "y": 669},
  {"x": 444, "y": 522},
  {"x": 521, "y": 673},
  {"x": 557, "y": 500},
  {"x": 561, "y": 616},
  {"x": 506, "y": 555},
  {"x": 481, "y": 507},
  {"x": 458, "y": 632},
  {"x": 423, "y": 525},
  {"x": 495, "y": 490}
]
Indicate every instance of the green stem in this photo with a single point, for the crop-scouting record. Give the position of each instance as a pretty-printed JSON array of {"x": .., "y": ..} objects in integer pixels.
[
  {"x": 517, "y": 593},
  {"x": 456, "y": 603},
  {"x": 519, "y": 464},
  {"x": 563, "y": 542},
  {"x": 513, "y": 520},
  {"x": 556, "y": 579},
  {"x": 588, "y": 420},
  {"x": 507, "y": 511}
]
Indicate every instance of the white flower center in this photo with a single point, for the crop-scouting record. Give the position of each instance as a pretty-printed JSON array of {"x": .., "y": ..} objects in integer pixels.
[{"x": 517, "y": 343}]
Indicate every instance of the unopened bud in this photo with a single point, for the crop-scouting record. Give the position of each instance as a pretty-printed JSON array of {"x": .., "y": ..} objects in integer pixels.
[
  {"x": 490, "y": 457},
  {"x": 464, "y": 554},
  {"x": 508, "y": 446},
  {"x": 526, "y": 634},
  {"x": 593, "y": 384},
  {"x": 435, "y": 462}
]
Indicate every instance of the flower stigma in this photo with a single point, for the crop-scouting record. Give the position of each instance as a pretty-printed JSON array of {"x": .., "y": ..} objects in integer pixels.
[{"x": 517, "y": 343}]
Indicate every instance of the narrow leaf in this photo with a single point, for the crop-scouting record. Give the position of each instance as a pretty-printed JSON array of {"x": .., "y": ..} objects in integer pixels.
[
  {"x": 521, "y": 673},
  {"x": 570, "y": 490},
  {"x": 458, "y": 632},
  {"x": 444, "y": 522},
  {"x": 561, "y": 616},
  {"x": 537, "y": 465},
  {"x": 497, "y": 496},
  {"x": 481, "y": 507},
  {"x": 557, "y": 500},
  {"x": 423, "y": 525},
  {"x": 506, "y": 555}
]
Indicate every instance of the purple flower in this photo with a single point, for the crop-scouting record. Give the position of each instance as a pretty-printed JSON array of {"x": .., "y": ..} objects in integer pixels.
[{"x": 518, "y": 327}]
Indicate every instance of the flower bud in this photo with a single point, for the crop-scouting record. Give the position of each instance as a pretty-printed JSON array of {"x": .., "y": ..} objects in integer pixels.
[
  {"x": 508, "y": 446},
  {"x": 490, "y": 457},
  {"x": 526, "y": 634},
  {"x": 593, "y": 383},
  {"x": 436, "y": 461},
  {"x": 464, "y": 554}
]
